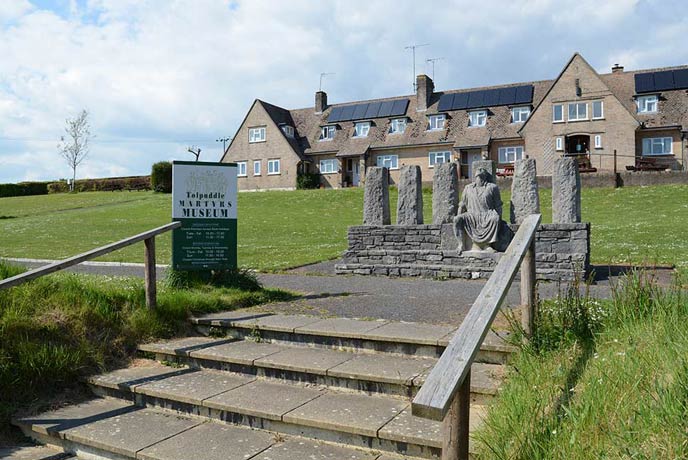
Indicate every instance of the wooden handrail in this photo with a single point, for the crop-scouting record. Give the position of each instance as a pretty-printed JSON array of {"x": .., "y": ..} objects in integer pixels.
[
  {"x": 149, "y": 261},
  {"x": 445, "y": 393}
]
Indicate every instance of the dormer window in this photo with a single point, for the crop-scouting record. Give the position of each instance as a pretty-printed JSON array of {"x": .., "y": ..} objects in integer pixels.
[
  {"x": 397, "y": 126},
  {"x": 436, "y": 122},
  {"x": 327, "y": 133},
  {"x": 647, "y": 104},
  {"x": 477, "y": 118},
  {"x": 520, "y": 114},
  {"x": 288, "y": 130},
  {"x": 361, "y": 129}
]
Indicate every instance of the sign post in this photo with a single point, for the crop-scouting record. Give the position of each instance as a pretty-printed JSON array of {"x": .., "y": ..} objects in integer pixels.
[{"x": 204, "y": 200}]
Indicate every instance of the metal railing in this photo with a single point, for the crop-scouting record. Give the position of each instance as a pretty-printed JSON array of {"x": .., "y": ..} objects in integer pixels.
[
  {"x": 445, "y": 395},
  {"x": 148, "y": 239}
]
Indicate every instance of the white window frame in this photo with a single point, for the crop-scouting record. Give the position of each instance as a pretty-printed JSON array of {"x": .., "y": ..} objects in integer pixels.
[
  {"x": 554, "y": 113},
  {"x": 361, "y": 129},
  {"x": 517, "y": 114},
  {"x": 272, "y": 170},
  {"x": 516, "y": 150},
  {"x": 397, "y": 126},
  {"x": 642, "y": 102},
  {"x": 258, "y": 164},
  {"x": 288, "y": 130},
  {"x": 436, "y": 122},
  {"x": 436, "y": 158},
  {"x": 327, "y": 132},
  {"x": 559, "y": 143},
  {"x": 598, "y": 141},
  {"x": 601, "y": 116},
  {"x": 577, "y": 106},
  {"x": 387, "y": 161},
  {"x": 329, "y": 166},
  {"x": 256, "y": 134},
  {"x": 241, "y": 169},
  {"x": 477, "y": 118},
  {"x": 651, "y": 142}
]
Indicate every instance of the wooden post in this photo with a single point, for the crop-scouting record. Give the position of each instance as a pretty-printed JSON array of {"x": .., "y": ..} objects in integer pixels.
[
  {"x": 528, "y": 298},
  {"x": 455, "y": 427},
  {"x": 615, "y": 162},
  {"x": 149, "y": 268}
]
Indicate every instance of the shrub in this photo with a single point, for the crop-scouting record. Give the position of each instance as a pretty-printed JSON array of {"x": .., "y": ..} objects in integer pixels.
[
  {"x": 23, "y": 189},
  {"x": 161, "y": 177},
  {"x": 307, "y": 181},
  {"x": 58, "y": 187}
]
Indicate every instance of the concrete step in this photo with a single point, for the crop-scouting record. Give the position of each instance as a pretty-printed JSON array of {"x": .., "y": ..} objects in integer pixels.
[
  {"x": 111, "y": 429},
  {"x": 391, "y": 374},
  {"x": 33, "y": 453},
  {"x": 379, "y": 422},
  {"x": 355, "y": 335}
]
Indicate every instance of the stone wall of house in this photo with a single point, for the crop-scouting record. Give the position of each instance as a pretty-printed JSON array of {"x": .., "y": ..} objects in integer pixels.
[{"x": 562, "y": 252}]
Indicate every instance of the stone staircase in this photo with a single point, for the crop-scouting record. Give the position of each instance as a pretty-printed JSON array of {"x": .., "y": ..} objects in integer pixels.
[{"x": 270, "y": 387}]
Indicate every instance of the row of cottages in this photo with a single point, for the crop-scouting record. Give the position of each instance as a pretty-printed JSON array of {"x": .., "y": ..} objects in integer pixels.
[{"x": 640, "y": 115}]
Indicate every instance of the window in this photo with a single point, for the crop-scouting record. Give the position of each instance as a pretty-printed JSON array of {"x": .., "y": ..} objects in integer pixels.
[
  {"x": 647, "y": 104},
  {"x": 435, "y": 122},
  {"x": 256, "y": 134},
  {"x": 578, "y": 111},
  {"x": 477, "y": 118},
  {"x": 327, "y": 133},
  {"x": 597, "y": 110},
  {"x": 520, "y": 114},
  {"x": 560, "y": 143},
  {"x": 288, "y": 130},
  {"x": 241, "y": 169},
  {"x": 557, "y": 113},
  {"x": 598, "y": 141},
  {"x": 329, "y": 166},
  {"x": 361, "y": 129},
  {"x": 397, "y": 126},
  {"x": 273, "y": 167},
  {"x": 657, "y": 146},
  {"x": 510, "y": 154},
  {"x": 388, "y": 161},
  {"x": 256, "y": 168},
  {"x": 436, "y": 158}
]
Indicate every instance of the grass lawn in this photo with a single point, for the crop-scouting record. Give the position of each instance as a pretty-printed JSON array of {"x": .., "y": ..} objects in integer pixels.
[{"x": 284, "y": 229}]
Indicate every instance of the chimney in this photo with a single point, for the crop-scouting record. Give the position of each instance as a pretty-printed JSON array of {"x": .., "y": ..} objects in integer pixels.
[
  {"x": 616, "y": 68},
  {"x": 320, "y": 101},
  {"x": 424, "y": 89}
]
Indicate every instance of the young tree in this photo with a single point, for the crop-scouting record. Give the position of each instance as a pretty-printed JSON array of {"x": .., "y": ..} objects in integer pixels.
[{"x": 74, "y": 146}]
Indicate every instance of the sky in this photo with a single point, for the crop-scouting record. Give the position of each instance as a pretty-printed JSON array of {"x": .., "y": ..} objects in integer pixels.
[{"x": 158, "y": 77}]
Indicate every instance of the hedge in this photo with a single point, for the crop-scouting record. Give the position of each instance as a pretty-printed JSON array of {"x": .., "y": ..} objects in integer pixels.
[
  {"x": 103, "y": 185},
  {"x": 23, "y": 189},
  {"x": 161, "y": 177}
]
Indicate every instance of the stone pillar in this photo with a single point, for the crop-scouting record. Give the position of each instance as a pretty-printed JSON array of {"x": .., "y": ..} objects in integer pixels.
[
  {"x": 376, "y": 197},
  {"x": 410, "y": 202},
  {"x": 488, "y": 165},
  {"x": 445, "y": 193},
  {"x": 525, "y": 199},
  {"x": 566, "y": 191}
]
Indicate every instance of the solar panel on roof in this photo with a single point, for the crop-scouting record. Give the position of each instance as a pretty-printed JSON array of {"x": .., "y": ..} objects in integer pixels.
[
  {"x": 399, "y": 107},
  {"x": 385, "y": 109},
  {"x": 475, "y": 99},
  {"x": 446, "y": 102},
  {"x": 491, "y": 97},
  {"x": 347, "y": 113},
  {"x": 460, "y": 101},
  {"x": 507, "y": 96},
  {"x": 373, "y": 109},
  {"x": 335, "y": 115},
  {"x": 524, "y": 94},
  {"x": 681, "y": 79},
  {"x": 664, "y": 80},
  {"x": 359, "y": 111},
  {"x": 644, "y": 82}
]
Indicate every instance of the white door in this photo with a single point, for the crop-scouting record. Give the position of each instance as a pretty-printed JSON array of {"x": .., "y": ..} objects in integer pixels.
[
  {"x": 471, "y": 157},
  {"x": 355, "y": 176}
]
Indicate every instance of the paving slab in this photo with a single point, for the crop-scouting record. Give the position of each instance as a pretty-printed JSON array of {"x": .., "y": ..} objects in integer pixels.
[
  {"x": 56, "y": 421},
  {"x": 194, "y": 387},
  {"x": 351, "y": 413},
  {"x": 263, "y": 399},
  {"x": 281, "y": 323},
  {"x": 131, "y": 432},
  {"x": 485, "y": 378},
  {"x": 425, "y": 334},
  {"x": 383, "y": 368},
  {"x": 32, "y": 453},
  {"x": 301, "y": 359},
  {"x": 494, "y": 341},
  {"x": 340, "y": 327},
  {"x": 182, "y": 347},
  {"x": 243, "y": 352},
  {"x": 143, "y": 371},
  {"x": 210, "y": 441},
  {"x": 304, "y": 449},
  {"x": 225, "y": 318}
]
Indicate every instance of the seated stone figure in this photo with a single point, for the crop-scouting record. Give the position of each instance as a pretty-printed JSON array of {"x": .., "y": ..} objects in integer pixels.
[{"x": 479, "y": 217}]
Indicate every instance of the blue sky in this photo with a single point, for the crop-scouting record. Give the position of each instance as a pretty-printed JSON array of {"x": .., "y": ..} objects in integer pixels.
[{"x": 159, "y": 76}]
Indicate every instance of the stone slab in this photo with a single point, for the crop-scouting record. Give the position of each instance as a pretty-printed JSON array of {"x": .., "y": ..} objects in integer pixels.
[
  {"x": 130, "y": 377},
  {"x": 494, "y": 341},
  {"x": 425, "y": 334},
  {"x": 211, "y": 441},
  {"x": 263, "y": 399},
  {"x": 243, "y": 352},
  {"x": 376, "y": 197},
  {"x": 281, "y": 323},
  {"x": 304, "y": 449},
  {"x": 301, "y": 359},
  {"x": 340, "y": 327},
  {"x": 383, "y": 368},
  {"x": 194, "y": 387},
  {"x": 486, "y": 378},
  {"x": 34, "y": 453},
  {"x": 182, "y": 347},
  {"x": 55, "y": 422},
  {"x": 226, "y": 317},
  {"x": 131, "y": 432},
  {"x": 350, "y": 413}
]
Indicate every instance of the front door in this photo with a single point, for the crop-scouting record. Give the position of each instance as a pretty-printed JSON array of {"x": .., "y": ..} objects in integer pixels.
[
  {"x": 355, "y": 174},
  {"x": 470, "y": 158}
]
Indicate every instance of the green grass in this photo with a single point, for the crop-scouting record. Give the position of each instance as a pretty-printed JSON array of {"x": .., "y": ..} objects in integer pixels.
[{"x": 278, "y": 230}]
